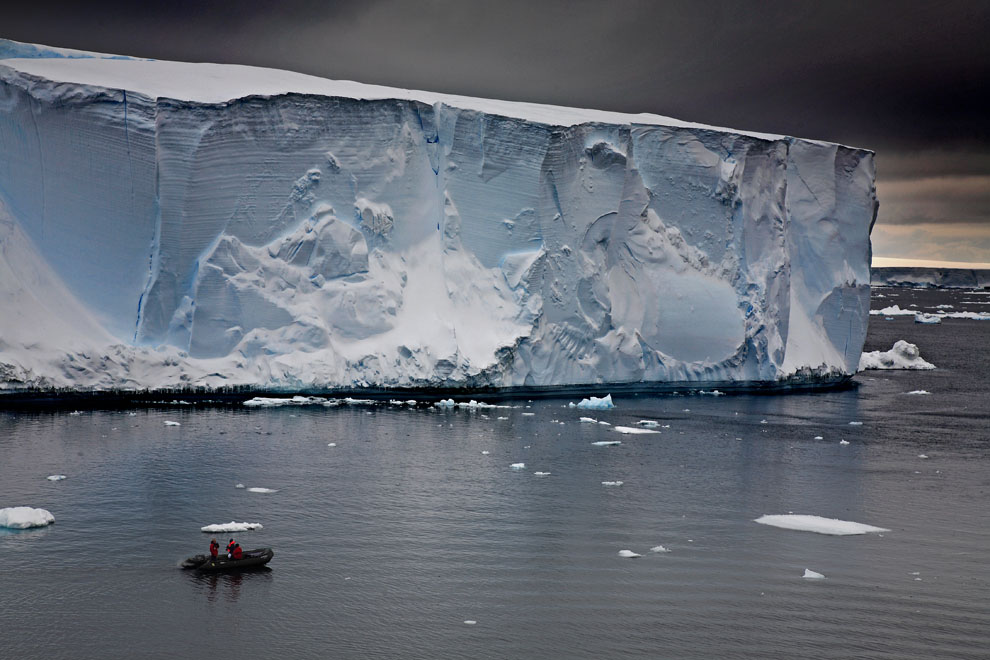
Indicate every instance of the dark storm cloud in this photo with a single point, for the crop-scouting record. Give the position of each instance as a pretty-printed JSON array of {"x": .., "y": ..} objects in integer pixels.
[{"x": 910, "y": 80}]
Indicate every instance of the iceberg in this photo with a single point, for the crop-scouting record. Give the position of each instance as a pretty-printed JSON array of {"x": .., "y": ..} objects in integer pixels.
[
  {"x": 812, "y": 575},
  {"x": 179, "y": 225},
  {"x": 628, "y": 554},
  {"x": 903, "y": 355},
  {"x": 596, "y": 403},
  {"x": 25, "y": 517},
  {"x": 818, "y": 524}
]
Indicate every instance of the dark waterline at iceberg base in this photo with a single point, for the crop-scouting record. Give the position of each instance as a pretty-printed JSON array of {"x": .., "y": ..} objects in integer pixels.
[{"x": 389, "y": 541}]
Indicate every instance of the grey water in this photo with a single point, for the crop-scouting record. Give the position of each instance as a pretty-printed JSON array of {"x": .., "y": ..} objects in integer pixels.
[{"x": 387, "y": 543}]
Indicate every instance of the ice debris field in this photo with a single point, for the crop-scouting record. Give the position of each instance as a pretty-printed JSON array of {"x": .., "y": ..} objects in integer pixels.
[{"x": 167, "y": 224}]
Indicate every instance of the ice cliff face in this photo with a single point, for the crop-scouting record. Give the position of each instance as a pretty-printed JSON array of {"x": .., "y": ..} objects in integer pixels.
[{"x": 169, "y": 224}]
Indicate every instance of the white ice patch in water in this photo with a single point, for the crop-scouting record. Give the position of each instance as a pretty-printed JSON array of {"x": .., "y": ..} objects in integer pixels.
[
  {"x": 595, "y": 403},
  {"x": 485, "y": 452},
  {"x": 258, "y": 489},
  {"x": 239, "y": 486},
  {"x": 659, "y": 548},
  {"x": 893, "y": 310},
  {"x": 168, "y": 423},
  {"x": 528, "y": 414},
  {"x": 628, "y": 554},
  {"x": 612, "y": 483},
  {"x": 607, "y": 443},
  {"x": 843, "y": 442},
  {"x": 922, "y": 455},
  {"x": 55, "y": 477},
  {"x": 542, "y": 474},
  {"x": 855, "y": 423},
  {"x": 24, "y": 517},
  {"x": 648, "y": 423},
  {"x": 445, "y": 403},
  {"x": 918, "y": 392},
  {"x": 275, "y": 402},
  {"x": 231, "y": 527},
  {"x": 629, "y": 430},
  {"x": 517, "y": 466},
  {"x": 331, "y": 444},
  {"x": 818, "y": 524},
  {"x": 470, "y": 622},
  {"x": 818, "y": 437},
  {"x": 927, "y": 319},
  {"x": 589, "y": 420},
  {"x": 903, "y": 355},
  {"x": 812, "y": 575}
]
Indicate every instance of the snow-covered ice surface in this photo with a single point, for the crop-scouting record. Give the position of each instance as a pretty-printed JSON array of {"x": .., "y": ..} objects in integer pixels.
[
  {"x": 25, "y": 517},
  {"x": 818, "y": 524},
  {"x": 55, "y": 477},
  {"x": 629, "y": 554},
  {"x": 260, "y": 489},
  {"x": 632, "y": 430},
  {"x": 231, "y": 527},
  {"x": 812, "y": 575},
  {"x": 180, "y": 225},
  {"x": 903, "y": 355}
]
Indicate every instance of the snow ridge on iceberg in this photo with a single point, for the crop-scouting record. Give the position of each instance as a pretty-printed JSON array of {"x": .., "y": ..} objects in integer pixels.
[{"x": 288, "y": 233}]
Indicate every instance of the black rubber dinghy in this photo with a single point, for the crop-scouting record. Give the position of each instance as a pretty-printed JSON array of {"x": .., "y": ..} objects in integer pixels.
[{"x": 251, "y": 559}]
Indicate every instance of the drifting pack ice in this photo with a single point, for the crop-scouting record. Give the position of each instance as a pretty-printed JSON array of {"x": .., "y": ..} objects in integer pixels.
[{"x": 166, "y": 224}]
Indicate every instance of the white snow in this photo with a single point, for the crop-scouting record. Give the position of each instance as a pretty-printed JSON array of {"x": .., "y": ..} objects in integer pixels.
[
  {"x": 596, "y": 403},
  {"x": 169, "y": 224},
  {"x": 812, "y": 575},
  {"x": 231, "y": 527},
  {"x": 628, "y": 554},
  {"x": 903, "y": 355},
  {"x": 607, "y": 443},
  {"x": 818, "y": 524},
  {"x": 55, "y": 477},
  {"x": 24, "y": 517},
  {"x": 258, "y": 489},
  {"x": 631, "y": 430}
]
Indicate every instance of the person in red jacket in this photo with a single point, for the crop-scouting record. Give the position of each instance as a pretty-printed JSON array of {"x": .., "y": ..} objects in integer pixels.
[
  {"x": 214, "y": 548},
  {"x": 236, "y": 553}
]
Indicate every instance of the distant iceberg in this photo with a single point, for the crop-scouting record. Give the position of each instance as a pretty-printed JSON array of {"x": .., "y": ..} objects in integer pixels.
[
  {"x": 818, "y": 524},
  {"x": 596, "y": 403},
  {"x": 24, "y": 517}
]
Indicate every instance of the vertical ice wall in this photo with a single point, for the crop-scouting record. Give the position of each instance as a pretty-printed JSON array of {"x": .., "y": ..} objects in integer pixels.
[{"x": 314, "y": 240}]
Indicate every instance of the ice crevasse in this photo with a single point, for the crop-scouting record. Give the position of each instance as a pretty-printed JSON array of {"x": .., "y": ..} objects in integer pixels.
[{"x": 170, "y": 224}]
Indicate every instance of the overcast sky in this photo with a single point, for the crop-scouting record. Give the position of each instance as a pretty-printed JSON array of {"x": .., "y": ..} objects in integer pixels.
[{"x": 910, "y": 80}]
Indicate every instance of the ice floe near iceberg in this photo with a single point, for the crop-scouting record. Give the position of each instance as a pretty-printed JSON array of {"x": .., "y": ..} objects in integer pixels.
[
  {"x": 893, "y": 310},
  {"x": 927, "y": 319},
  {"x": 628, "y": 554},
  {"x": 239, "y": 486},
  {"x": 903, "y": 355},
  {"x": 25, "y": 517},
  {"x": 812, "y": 575},
  {"x": 659, "y": 548},
  {"x": 55, "y": 477},
  {"x": 595, "y": 403},
  {"x": 648, "y": 423},
  {"x": 607, "y": 443},
  {"x": 231, "y": 527},
  {"x": 629, "y": 430},
  {"x": 258, "y": 489},
  {"x": 275, "y": 402},
  {"x": 589, "y": 420},
  {"x": 818, "y": 524}
]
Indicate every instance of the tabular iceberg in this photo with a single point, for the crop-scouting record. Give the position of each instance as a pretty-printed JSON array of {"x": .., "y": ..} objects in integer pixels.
[{"x": 167, "y": 224}]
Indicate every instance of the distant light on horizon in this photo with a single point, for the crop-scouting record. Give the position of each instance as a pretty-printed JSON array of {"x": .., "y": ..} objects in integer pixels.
[{"x": 898, "y": 262}]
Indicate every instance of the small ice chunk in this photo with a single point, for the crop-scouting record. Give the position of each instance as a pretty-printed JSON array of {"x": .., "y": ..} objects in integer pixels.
[
  {"x": 629, "y": 430},
  {"x": 528, "y": 414},
  {"x": 818, "y": 524},
  {"x": 763, "y": 421},
  {"x": 818, "y": 437},
  {"x": 927, "y": 319},
  {"x": 612, "y": 483},
  {"x": 919, "y": 456},
  {"x": 239, "y": 486},
  {"x": 258, "y": 489},
  {"x": 606, "y": 443},
  {"x": 903, "y": 355},
  {"x": 628, "y": 554},
  {"x": 75, "y": 413},
  {"x": 470, "y": 622},
  {"x": 55, "y": 477},
  {"x": 589, "y": 420},
  {"x": 445, "y": 403},
  {"x": 919, "y": 392},
  {"x": 517, "y": 466},
  {"x": 659, "y": 548},
  {"x": 542, "y": 474},
  {"x": 604, "y": 423},
  {"x": 855, "y": 423},
  {"x": 648, "y": 423},
  {"x": 485, "y": 452},
  {"x": 502, "y": 418},
  {"x": 843, "y": 442},
  {"x": 596, "y": 403},
  {"x": 812, "y": 575},
  {"x": 231, "y": 527},
  {"x": 24, "y": 517},
  {"x": 170, "y": 423}
]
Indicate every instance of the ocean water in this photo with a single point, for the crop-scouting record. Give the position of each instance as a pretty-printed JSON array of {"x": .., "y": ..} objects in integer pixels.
[{"x": 388, "y": 542}]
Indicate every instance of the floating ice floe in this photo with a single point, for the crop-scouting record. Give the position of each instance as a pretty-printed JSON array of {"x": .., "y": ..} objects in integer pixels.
[
  {"x": 927, "y": 319},
  {"x": 470, "y": 622},
  {"x": 75, "y": 413},
  {"x": 517, "y": 466},
  {"x": 169, "y": 423},
  {"x": 595, "y": 403},
  {"x": 55, "y": 477},
  {"x": 25, "y": 517},
  {"x": 918, "y": 392},
  {"x": 239, "y": 486},
  {"x": 659, "y": 548},
  {"x": 231, "y": 527},
  {"x": 818, "y": 437},
  {"x": 903, "y": 355},
  {"x": 922, "y": 455},
  {"x": 485, "y": 452},
  {"x": 502, "y": 418},
  {"x": 648, "y": 423},
  {"x": 445, "y": 403},
  {"x": 542, "y": 474},
  {"x": 589, "y": 420},
  {"x": 275, "y": 402},
  {"x": 607, "y": 443},
  {"x": 812, "y": 575},
  {"x": 331, "y": 444},
  {"x": 630, "y": 430},
  {"x": 258, "y": 489},
  {"x": 893, "y": 310},
  {"x": 711, "y": 393},
  {"x": 855, "y": 423},
  {"x": 525, "y": 414},
  {"x": 843, "y": 442},
  {"x": 818, "y": 524},
  {"x": 628, "y": 554},
  {"x": 612, "y": 483}
]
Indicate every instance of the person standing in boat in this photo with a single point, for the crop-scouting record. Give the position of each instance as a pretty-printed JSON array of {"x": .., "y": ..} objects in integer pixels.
[{"x": 214, "y": 548}]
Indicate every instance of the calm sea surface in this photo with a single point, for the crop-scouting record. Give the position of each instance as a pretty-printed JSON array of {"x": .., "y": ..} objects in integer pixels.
[{"x": 388, "y": 542}]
